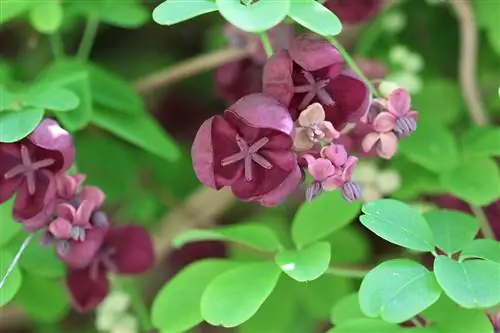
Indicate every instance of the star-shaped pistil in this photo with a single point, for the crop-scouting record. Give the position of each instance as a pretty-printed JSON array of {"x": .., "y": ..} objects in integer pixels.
[{"x": 312, "y": 89}]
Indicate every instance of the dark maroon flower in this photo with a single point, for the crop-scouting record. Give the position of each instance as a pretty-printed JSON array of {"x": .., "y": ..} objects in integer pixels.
[
  {"x": 126, "y": 250},
  {"x": 374, "y": 70},
  {"x": 249, "y": 148},
  {"x": 28, "y": 169},
  {"x": 312, "y": 70},
  {"x": 354, "y": 11}
]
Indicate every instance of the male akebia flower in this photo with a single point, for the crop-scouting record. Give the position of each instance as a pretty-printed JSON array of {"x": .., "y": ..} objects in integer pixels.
[
  {"x": 126, "y": 250},
  {"x": 312, "y": 70},
  {"x": 28, "y": 169},
  {"x": 312, "y": 128},
  {"x": 249, "y": 148}
]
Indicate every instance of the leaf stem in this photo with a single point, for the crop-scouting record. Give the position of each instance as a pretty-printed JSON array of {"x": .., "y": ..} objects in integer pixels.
[
  {"x": 483, "y": 221},
  {"x": 56, "y": 45},
  {"x": 88, "y": 38},
  {"x": 350, "y": 61},
  {"x": 266, "y": 43},
  {"x": 137, "y": 303},
  {"x": 346, "y": 272},
  {"x": 16, "y": 259}
]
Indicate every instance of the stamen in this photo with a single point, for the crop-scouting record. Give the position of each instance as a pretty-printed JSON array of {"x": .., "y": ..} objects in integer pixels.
[
  {"x": 78, "y": 233},
  {"x": 63, "y": 247},
  {"x": 405, "y": 126}
]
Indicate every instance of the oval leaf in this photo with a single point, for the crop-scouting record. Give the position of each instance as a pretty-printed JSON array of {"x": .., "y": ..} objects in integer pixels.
[
  {"x": 46, "y": 16},
  {"x": 398, "y": 290},
  {"x": 256, "y": 17},
  {"x": 174, "y": 11},
  {"x": 452, "y": 230},
  {"x": 316, "y": 220},
  {"x": 487, "y": 249},
  {"x": 16, "y": 125},
  {"x": 305, "y": 264},
  {"x": 176, "y": 307},
  {"x": 472, "y": 284},
  {"x": 315, "y": 17},
  {"x": 398, "y": 223},
  {"x": 6, "y": 98},
  {"x": 55, "y": 99},
  {"x": 367, "y": 325},
  {"x": 482, "y": 141},
  {"x": 125, "y": 15},
  {"x": 13, "y": 283},
  {"x": 347, "y": 309},
  {"x": 256, "y": 236},
  {"x": 8, "y": 226},
  {"x": 235, "y": 296}
]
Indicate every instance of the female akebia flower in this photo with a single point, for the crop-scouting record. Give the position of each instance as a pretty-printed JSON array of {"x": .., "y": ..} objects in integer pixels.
[
  {"x": 354, "y": 11},
  {"x": 126, "y": 250},
  {"x": 312, "y": 128},
  {"x": 312, "y": 70},
  {"x": 249, "y": 148},
  {"x": 28, "y": 169}
]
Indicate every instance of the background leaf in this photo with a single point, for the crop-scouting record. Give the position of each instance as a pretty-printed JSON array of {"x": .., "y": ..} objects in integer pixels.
[
  {"x": 55, "y": 99},
  {"x": 46, "y": 16},
  {"x": 306, "y": 264},
  {"x": 347, "y": 309},
  {"x": 315, "y": 17},
  {"x": 487, "y": 249},
  {"x": 13, "y": 283},
  {"x": 481, "y": 141},
  {"x": 8, "y": 226},
  {"x": 174, "y": 11},
  {"x": 16, "y": 125},
  {"x": 13, "y": 9}
]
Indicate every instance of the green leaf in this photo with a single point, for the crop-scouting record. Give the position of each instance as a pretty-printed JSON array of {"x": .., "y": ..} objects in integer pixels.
[
  {"x": 367, "y": 325},
  {"x": 398, "y": 223},
  {"x": 315, "y": 17},
  {"x": 235, "y": 296},
  {"x": 6, "y": 99},
  {"x": 8, "y": 226},
  {"x": 13, "y": 283},
  {"x": 452, "y": 230},
  {"x": 42, "y": 299},
  {"x": 16, "y": 125},
  {"x": 174, "y": 11},
  {"x": 350, "y": 245},
  {"x": 176, "y": 307},
  {"x": 347, "y": 309},
  {"x": 481, "y": 141},
  {"x": 124, "y": 15},
  {"x": 256, "y": 17},
  {"x": 52, "y": 98},
  {"x": 432, "y": 147},
  {"x": 316, "y": 220},
  {"x": 415, "y": 180},
  {"x": 397, "y": 290},
  {"x": 142, "y": 131},
  {"x": 256, "y": 236},
  {"x": 488, "y": 16},
  {"x": 471, "y": 284},
  {"x": 12, "y": 9},
  {"x": 487, "y": 249},
  {"x": 46, "y": 16},
  {"x": 474, "y": 181},
  {"x": 306, "y": 264}
]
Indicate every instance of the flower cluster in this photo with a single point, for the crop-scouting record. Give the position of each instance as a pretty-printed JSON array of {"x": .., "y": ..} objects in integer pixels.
[
  {"x": 49, "y": 200},
  {"x": 264, "y": 143}
]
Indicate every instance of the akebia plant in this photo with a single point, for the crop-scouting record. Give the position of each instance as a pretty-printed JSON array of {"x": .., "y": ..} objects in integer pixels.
[{"x": 97, "y": 201}]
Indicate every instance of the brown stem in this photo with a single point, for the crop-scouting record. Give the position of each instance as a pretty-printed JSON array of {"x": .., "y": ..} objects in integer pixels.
[{"x": 185, "y": 69}]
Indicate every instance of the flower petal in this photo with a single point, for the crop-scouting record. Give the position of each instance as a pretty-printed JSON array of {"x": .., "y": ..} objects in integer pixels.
[
  {"x": 313, "y": 114},
  {"x": 369, "y": 141},
  {"x": 277, "y": 77},
  {"x": 330, "y": 132},
  {"x": 67, "y": 185},
  {"x": 60, "y": 228},
  {"x": 399, "y": 102},
  {"x": 384, "y": 122},
  {"x": 321, "y": 169},
  {"x": 285, "y": 189},
  {"x": 388, "y": 145},
  {"x": 349, "y": 167},
  {"x": 302, "y": 142},
  {"x": 332, "y": 183},
  {"x": 87, "y": 292},
  {"x": 312, "y": 53},
  {"x": 81, "y": 254},
  {"x": 336, "y": 153},
  {"x": 66, "y": 211}
]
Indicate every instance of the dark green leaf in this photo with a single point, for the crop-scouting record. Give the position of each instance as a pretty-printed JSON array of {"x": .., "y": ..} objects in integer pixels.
[
  {"x": 347, "y": 309},
  {"x": 52, "y": 98},
  {"x": 487, "y": 249},
  {"x": 315, "y": 17},
  {"x": 13, "y": 8},
  {"x": 398, "y": 223},
  {"x": 256, "y": 17},
  {"x": 8, "y": 226},
  {"x": 488, "y": 16},
  {"x": 127, "y": 15},
  {"x": 452, "y": 230},
  {"x": 46, "y": 16},
  {"x": 316, "y": 220},
  {"x": 16, "y": 125},
  {"x": 6, "y": 98},
  {"x": 482, "y": 141},
  {"x": 306, "y": 264},
  {"x": 246, "y": 286},
  {"x": 471, "y": 284},
  {"x": 350, "y": 245},
  {"x": 174, "y": 11},
  {"x": 398, "y": 290},
  {"x": 13, "y": 283},
  {"x": 368, "y": 326}
]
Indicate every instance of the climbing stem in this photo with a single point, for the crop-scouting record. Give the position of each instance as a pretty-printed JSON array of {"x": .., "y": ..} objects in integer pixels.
[
  {"x": 264, "y": 37},
  {"x": 347, "y": 272},
  {"x": 14, "y": 262},
  {"x": 483, "y": 222},
  {"x": 88, "y": 38}
]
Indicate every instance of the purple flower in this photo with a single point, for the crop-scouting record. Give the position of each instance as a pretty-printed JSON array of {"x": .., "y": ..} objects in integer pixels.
[
  {"x": 28, "y": 169},
  {"x": 312, "y": 71},
  {"x": 354, "y": 11},
  {"x": 126, "y": 250},
  {"x": 249, "y": 148}
]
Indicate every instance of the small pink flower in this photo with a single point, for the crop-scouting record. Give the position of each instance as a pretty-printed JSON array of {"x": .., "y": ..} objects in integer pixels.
[
  {"x": 313, "y": 128},
  {"x": 400, "y": 117},
  {"x": 385, "y": 143}
]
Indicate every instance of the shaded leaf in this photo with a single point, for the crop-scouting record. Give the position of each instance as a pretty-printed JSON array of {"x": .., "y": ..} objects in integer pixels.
[
  {"x": 482, "y": 141},
  {"x": 13, "y": 283},
  {"x": 8, "y": 226},
  {"x": 487, "y": 249},
  {"x": 347, "y": 309}
]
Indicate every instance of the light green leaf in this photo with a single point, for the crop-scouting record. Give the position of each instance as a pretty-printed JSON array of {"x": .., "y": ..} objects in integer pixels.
[
  {"x": 52, "y": 98},
  {"x": 174, "y": 11},
  {"x": 487, "y": 249},
  {"x": 6, "y": 99},
  {"x": 176, "y": 307},
  {"x": 315, "y": 17},
  {"x": 316, "y": 220},
  {"x": 347, "y": 309},
  {"x": 432, "y": 147},
  {"x": 46, "y": 16},
  {"x": 452, "y": 230},
  {"x": 13, "y": 8},
  {"x": 142, "y": 131},
  {"x": 306, "y": 264},
  {"x": 481, "y": 141},
  {"x": 13, "y": 283},
  {"x": 8, "y": 226},
  {"x": 367, "y": 325},
  {"x": 256, "y": 17},
  {"x": 474, "y": 181},
  {"x": 488, "y": 16},
  {"x": 397, "y": 290},
  {"x": 235, "y": 296},
  {"x": 127, "y": 15},
  {"x": 398, "y": 223},
  {"x": 256, "y": 236},
  {"x": 16, "y": 125},
  {"x": 471, "y": 284},
  {"x": 42, "y": 299}
]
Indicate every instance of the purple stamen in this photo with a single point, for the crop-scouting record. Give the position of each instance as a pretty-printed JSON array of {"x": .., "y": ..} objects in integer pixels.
[
  {"x": 314, "y": 190},
  {"x": 312, "y": 89},
  {"x": 63, "y": 247},
  {"x": 78, "y": 233},
  {"x": 351, "y": 191},
  {"x": 405, "y": 126}
]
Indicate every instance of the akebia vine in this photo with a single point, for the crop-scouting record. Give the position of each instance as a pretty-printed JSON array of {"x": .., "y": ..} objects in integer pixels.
[{"x": 305, "y": 140}]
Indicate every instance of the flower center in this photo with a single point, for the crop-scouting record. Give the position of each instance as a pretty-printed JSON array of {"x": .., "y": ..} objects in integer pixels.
[
  {"x": 313, "y": 89},
  {"x": 28, "y": 168},
  {"x": 103, "y": 259},
  {"x": 315, "y": 134},
  {"x": 405, "y": 126},
  {"x": 248, "y": 154}
]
